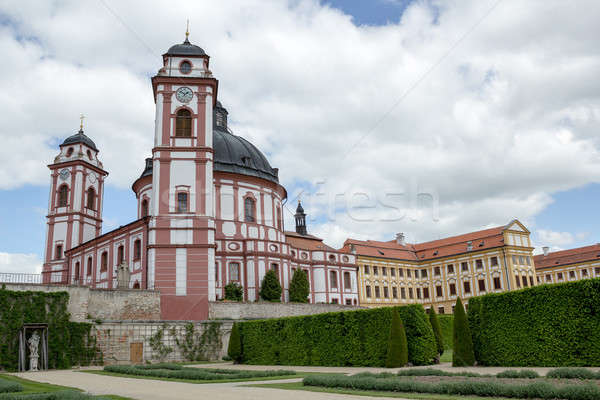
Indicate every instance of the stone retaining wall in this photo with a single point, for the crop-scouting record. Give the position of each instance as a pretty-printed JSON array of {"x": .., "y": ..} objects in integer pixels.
[{"x": 262, "y": 310}]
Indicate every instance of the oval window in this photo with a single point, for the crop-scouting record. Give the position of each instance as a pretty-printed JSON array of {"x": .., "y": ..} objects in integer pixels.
[{"x": 185, "y": 67}]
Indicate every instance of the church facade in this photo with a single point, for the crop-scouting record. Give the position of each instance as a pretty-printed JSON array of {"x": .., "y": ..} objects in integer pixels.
[{"x": 210, "y": 210}]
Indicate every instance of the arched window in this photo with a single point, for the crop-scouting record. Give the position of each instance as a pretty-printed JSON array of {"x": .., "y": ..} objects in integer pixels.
[
  {"x": 279, "y": 222},
  {"x": 89, "y": 267},
  {"x": 91, "y": 197},
  {"x": 69, "y": 152},
  {"x": 76, "y": 274},
  {"x": 234, "y": 272},
  {"x": 137, "y": 249},
  {"x": 249, "y": 210},
  {"x": 144, "y": 208},
  {"x": 136, "y": 285},
  {"x": 104, "y": 262},
  {"x": 120, "y": 255},
  {"x": 59, "y": 252},
  {"x": 89, "y": 154},
  {"x": 63, "y": 195},
  {"x": 183, "y": 123}
]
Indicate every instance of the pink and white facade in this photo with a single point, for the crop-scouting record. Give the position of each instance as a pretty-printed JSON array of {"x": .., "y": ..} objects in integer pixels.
[{"x": 210, "y": 209}]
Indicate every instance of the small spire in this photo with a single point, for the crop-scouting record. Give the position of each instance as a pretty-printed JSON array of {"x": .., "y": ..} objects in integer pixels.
[
  {"x": 81, "y": 117},
  {"x": 187, "y": 31}
]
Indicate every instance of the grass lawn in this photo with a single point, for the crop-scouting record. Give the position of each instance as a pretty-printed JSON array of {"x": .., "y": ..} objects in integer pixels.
[
  {"x": 447, "y": 356},
  {"x": 419, "y": 396},
  {"x": 30, "y": 387},
  {"x": 262, "y": 378}
]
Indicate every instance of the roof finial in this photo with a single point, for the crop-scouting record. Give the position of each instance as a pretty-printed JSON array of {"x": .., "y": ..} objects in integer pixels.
[
  {"x": 81, "y": 117},
  {"x": 187, "y": 30}
]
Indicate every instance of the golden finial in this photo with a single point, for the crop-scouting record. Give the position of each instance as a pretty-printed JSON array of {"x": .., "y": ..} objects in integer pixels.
[
  {"x": 81, "y": 117},
  {"x": 187, "y": 30}
]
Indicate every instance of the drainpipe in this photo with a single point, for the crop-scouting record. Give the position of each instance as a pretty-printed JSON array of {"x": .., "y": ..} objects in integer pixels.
[{"x": 506, "y": 268}]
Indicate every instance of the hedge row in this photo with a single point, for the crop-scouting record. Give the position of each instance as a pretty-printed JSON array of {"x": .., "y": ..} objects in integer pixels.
[
  {"x": 7, "y": 386},
  {"x": 539, "y": 390},
  {"x": 62, "y": 395},
  {"x": 547, "y": 325},
  {"x": 351, "y": 338},
  {"x": 446, "y": 322},
  {"x": 200, "y": 374},
  {"x": 69, "y": 343}
]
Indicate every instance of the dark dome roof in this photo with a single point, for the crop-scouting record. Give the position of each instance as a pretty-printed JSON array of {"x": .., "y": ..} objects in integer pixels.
[
  {"x": 80, "y": 137},
  {"x": 237, "y": 155},
  {"x": 185, "y": 49}
]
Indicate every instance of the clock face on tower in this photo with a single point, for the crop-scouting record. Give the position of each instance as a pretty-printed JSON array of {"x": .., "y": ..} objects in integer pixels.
[
  {"x": 64, "y": 174},
  {"x": 184, "y": 94}
]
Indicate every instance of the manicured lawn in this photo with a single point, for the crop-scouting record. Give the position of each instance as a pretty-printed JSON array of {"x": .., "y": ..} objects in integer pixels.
[
  {"x": 446, "y": 357},
  {"x": 30, "y": 387},
  {"x": 418, "y": 396}
]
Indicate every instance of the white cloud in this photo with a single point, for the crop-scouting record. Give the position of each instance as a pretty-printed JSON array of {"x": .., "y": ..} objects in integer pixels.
[
  {"x": 508, "y": 118},
  {"x": 557, "y": 240},
  {"x": 20, "y": 263}
]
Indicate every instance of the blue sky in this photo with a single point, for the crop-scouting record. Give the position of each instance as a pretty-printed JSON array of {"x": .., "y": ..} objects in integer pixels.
[{"x": 541, "y": 185}]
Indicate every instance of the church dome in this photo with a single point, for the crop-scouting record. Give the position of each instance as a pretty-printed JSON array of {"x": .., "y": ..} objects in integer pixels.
[
  {"x": 185, "y": 49},
  {"x": 80, "y": 137}
]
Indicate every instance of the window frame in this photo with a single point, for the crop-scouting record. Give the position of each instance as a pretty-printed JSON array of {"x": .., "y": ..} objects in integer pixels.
[
  {"x": 63, "y": 195},
  {"x": 183, "y": 123},
  {"x": 249, "y": 202},
  {"x": 90, "y": 203}
]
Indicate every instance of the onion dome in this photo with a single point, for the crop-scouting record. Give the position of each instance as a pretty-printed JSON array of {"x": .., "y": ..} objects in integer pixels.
[
  {"x": 80, "y": 137},
  {"x": 148, "y": 168}
]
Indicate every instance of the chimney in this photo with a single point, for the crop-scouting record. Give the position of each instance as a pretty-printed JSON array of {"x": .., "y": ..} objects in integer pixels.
[
  {"x": 546, "y": 250},
  {"x": 400, "y": 238}
]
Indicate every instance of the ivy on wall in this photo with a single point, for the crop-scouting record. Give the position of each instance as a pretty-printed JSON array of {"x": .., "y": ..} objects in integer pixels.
[
  {"x": 69, "y": 343},
  {"x": 199, "y": 347}
]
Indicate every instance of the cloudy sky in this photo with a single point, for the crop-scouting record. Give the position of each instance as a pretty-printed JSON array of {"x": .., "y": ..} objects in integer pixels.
[{"x": 431, "y": 118}]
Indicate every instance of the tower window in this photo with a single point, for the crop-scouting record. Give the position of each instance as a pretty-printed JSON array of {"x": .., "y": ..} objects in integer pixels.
[
  {"x": 278, "y": 219},
  {"x": 249, "y": 210},
  {"x": 89, "y": 154},
  {"x": 183, "y": 123},
  {"x": 182, "y": 202},
  {"x": 137, "y": 249},
  {"x": 91, "y": 196},
  {"x": 144, "y": 208},
  {"x": 104, "y": 262},
  {"x": 76, "y": 272},
  {"x": 63, "y": 195},
  {"x": 69, "y": 152},
  {"x": 89, "y": 267},
  {"x": 185, "y": 67},
  {"x": 120, "y": 255},
  {"x": 59, "y": 252}
]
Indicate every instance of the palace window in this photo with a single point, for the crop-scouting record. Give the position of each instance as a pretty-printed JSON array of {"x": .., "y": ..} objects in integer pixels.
[
  {"x": 584, "y": 273},
  {"x": 423, "y": 273},
  {"x": 410, "y": 293},
  {"x": 234, "y": 272},
  {"x": 348, "y": 302},
  {"x": 479, "y": 264},
  {"x": 408, "y": 273},
  {"x": 279, "y": 222},
  {"x": 425, "y": 293},
  {"x": 548, "y": 278},
  {"x": 375, "y": 271},
  {"x": 531, "y": 281},
  {"x": 395, "y": 292},
  {"x": 368, "y": 290},
  {"x": 401, "y": 272},
  {"x": 464, "y": 267},
  {"x": 335, "y": 301},
  {"x": 560, "y": 276},
  {"x": 137, "y": 249},
  {"x": 517, "y": 281},
  {"x": 59, "y": 252},
  {"x": 494, "y": 261},
  {"x": 104, "y": 262},
  {"x": 183, "y": 123},
  {"x": 481, "y": 283},
  {"x": 393, "y": 272},
  {"x": 182, "y": 202},
  {"x": 77, "y": 272},
  {"x": 403, "y": 293},
  {"x": 597, "y": 271},
  {"x": 144, "y": 208},
  {"x": 275, "y": 267},
  {"x": 366, "y": 268},
  {"x": 347, "y": 281},
  {"x": 524, "y": 279},
  {"x": 89, "y": 267},
  {"x": 377, "y": 293},
  {"x": 452, "y": 289},
  {"x": 249, "y": 210},
  {"x": 91, "y": 197},
  {"x": 497, "y": 284},
  {"x": 528, "y": 260},
  {"x": 438, "y": 291},
  {"x": 418, "y": 293},
  {"x": 514, "y": 259},
  {"x": 386, "y": 292},
  {"x": 440, "y": 310},
  {"x": 120, "y": 255},
  {"x": 467, "y": 287},
  {"x": 521, "y": 260},
  {"x": 384, "y": 271},
  {"x": 436, "y": 271},
  {"x": 63, "y": 196},
  {"x": 571, "y": 274},
  {"x": 450, "y": 268},
  {"x": 333, "y": 280}
]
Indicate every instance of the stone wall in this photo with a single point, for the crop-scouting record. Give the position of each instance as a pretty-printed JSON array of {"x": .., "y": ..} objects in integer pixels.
[
  {"x": 103, "y": 304},
  {"x": 261, "y": 310},
  {"x": 116, "y": 340}
]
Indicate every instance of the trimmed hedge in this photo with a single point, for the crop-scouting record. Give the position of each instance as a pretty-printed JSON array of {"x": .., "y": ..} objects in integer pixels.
[
  {"x": 7, "y": 386},
  {"x": 547, "y": 325},
  {"x": 61, "y": 395},
  {"x": 437, "y": 330},
  {"x": 539, "y": 390},
  {"x": 200, "y": 374},
  {"x": 350, "y": 338},
  {"x": 397, "y": 354},
  {"x": 446, "y": 325},
  {"x": 462, "y": 355},
  {"x": 69, "y": 343},
  {"x": 572, "y": 373},
  {"x": 234, "y": 349}
]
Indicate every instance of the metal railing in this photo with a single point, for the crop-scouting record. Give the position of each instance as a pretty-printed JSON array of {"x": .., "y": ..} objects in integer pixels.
[{"x": 17, "y": 277}]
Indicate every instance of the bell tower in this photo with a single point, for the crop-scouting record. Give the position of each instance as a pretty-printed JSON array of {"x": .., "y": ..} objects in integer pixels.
[
  {"x": 181, "y": 244},
  {"x": 75, "y": 204}
]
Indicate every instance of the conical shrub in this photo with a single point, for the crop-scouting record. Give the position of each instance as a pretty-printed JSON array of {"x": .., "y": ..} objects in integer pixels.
[
  {"x": 437, "y": 330},
  {"x": 462, "y": 355},
  {"x": 270, "y": 288},
  {"x": 234, "y": 350},
  {"x": 397, "y": 353},
  {"x": 299, "y": 287}
]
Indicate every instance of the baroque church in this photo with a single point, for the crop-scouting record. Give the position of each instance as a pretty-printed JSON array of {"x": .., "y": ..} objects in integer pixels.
[{"x": 209, "y": 210}]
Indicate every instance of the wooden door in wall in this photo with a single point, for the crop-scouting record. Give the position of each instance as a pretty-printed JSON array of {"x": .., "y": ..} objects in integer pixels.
[{"x": 136, "y": 352}]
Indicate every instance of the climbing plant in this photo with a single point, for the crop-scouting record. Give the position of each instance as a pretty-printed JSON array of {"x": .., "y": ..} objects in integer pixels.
[
  {"x": 199, "y": 347},
  {"x": 156, "y": 341}
]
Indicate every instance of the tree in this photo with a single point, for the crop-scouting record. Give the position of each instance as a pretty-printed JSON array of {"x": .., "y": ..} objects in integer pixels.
[
  {"x": 462, "y": 355},
  {"x": 234, "y": 292},
  {"x": 270, "y": 289},
  {"x": 299, "y": 288},
  {"x": 397, "y": 352},
  {"x": 437, "y": 330},
  {"x": 234, "y": 349}
]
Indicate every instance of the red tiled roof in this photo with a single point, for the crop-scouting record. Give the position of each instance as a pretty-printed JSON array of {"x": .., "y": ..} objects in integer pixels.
[
  {"x": 565, "y": 257},
  {"x": 481, "y": 240},
  {"x": 306, "y": 242}
]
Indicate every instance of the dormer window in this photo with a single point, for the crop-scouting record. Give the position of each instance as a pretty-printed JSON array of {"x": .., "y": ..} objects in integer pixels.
[{"x": 183, "y": 123}]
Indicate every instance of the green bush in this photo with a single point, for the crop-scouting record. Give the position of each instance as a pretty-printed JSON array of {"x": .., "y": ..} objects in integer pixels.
[
  {"x": 547, "y": 325},
  {"x": 350, "y": 338},
  {"x": 234, "y": 349},
  {"x": 572, "y": 373},
  {"x": 397, "y": 354},
  {"x": 438, "y": 372},
  {"x": 200, "y": 374},
  {"x": 7, "y": 386},
  {"x": 234, "y": 292},
  {"x": 462, "y": 354},
  {"x": 270, "y": 289},
  {"x": 437, "y": 331},
  {"x": 539, "y": 390},
  {"x": 446, "y": 322},
  {"x": 69, "y": 343},
  {"x": 299, "y": 287},
  {"x": 525, "y": 373},
  {"x": 60, "y": 395}
]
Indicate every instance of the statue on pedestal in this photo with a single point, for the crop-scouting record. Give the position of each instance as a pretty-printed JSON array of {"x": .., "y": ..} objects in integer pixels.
[{"x": 34, "y": 342}]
